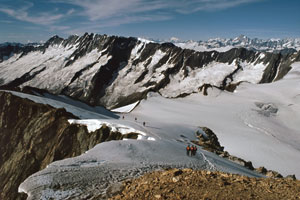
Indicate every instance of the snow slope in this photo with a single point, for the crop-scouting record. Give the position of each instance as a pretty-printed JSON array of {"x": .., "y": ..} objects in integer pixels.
[
  {"x": 258, "y": 123},
  {"x": 161, "y": 144},
  {"x": 48, "y": 68},
  {"x": 114, "y": 161},
  {"x": 77, "y": 108},
  {"x": 212, "y": 74},
  {"x": 265, "y": 137}
]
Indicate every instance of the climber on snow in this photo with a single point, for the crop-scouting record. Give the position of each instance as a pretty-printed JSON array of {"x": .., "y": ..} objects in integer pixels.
[
  {"x": 188, "y": 149},
  {"x": 193, "y": 150}
]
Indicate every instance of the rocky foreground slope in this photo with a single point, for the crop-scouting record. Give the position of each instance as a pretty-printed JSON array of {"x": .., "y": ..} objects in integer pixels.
[
  {"x": 191, "y": 184},
  {"x": 33, "y": 135},
  {"x": 114, "y": 71}
]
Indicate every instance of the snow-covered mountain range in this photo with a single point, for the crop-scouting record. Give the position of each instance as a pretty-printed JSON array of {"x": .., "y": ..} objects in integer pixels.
[
  {"x": 250, "y": 99},
  {"x": 115, "y": 71},
  {"x": 284, "y": 46}
]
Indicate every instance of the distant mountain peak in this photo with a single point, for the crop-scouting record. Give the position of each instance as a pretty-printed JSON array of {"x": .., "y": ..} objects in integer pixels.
[
  {"x": 174, "y": 39},
  {"x": 288, "y": 45}
]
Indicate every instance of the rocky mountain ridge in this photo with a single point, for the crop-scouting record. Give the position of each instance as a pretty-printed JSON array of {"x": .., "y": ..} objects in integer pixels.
[{"x": 115, "y": 71}]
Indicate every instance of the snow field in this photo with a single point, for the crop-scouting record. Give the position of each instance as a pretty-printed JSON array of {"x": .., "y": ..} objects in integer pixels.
[{"x": 213, "y": 73}]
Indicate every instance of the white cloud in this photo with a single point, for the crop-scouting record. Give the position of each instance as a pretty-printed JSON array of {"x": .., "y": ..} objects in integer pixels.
[
  {"x": 108, "y": 13},
  {"x": 97, "y": 14},
  {"x": 104, "y": 9},
  {"x": 210, "y": 5},
  {"x": 42, "y": 18},
  {"x": 97, "y": 27}
]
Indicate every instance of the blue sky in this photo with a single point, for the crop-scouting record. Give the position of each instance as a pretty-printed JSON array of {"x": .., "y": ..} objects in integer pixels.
[{"x": 37, "y": 20}]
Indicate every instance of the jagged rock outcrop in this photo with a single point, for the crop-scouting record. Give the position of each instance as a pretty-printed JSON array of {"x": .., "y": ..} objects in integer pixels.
[
  {"x": 209, "y": 141},
  {"x": 115, "y": 71},
  {"x": 33, "y": 135}
]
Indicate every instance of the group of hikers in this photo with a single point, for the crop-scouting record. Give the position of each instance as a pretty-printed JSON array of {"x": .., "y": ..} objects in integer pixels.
[
  {"x": 191, "y": 150},
  {"x": 135, "y": 119}
]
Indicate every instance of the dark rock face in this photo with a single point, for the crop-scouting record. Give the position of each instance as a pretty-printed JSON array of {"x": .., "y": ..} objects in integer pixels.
[
  {"x": 103, "y": 79},
  {"x": 33, "y": 135}
]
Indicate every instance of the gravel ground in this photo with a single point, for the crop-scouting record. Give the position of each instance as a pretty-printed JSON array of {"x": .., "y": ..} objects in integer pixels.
[{"x": 191, "y": 184}]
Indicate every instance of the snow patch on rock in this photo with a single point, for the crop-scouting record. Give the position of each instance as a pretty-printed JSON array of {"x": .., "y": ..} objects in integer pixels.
[
  {"x": 126, "y": 109},
  {"x": 94, "y": 124}
]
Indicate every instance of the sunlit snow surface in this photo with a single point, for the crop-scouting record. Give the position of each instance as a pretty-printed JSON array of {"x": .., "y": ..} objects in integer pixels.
[
  {"x": 126, "y": 109},
  {"x": 254, "y": 133},
  {"x": 272, "y": 141},
  {"x": 54, "y": 75}
]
